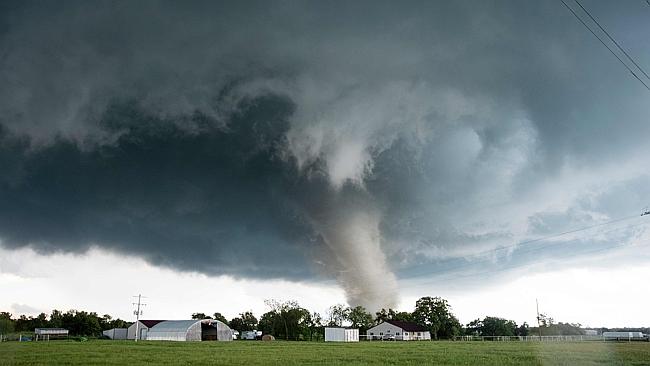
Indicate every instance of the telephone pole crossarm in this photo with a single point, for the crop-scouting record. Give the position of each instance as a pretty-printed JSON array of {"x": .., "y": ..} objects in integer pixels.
[{"x": 137, "y": 312}]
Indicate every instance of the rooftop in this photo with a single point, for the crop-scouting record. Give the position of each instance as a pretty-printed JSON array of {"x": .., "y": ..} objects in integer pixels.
[{"x": 407, "y": 326}]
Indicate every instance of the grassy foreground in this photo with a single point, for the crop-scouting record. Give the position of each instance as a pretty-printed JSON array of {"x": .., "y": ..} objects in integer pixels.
[{"x": 306, "y": 353}]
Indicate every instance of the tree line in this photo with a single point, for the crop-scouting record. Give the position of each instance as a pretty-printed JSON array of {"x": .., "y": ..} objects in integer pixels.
[
  {"x": 288, "y": 320},
  {"x": 79, "y": 323}
]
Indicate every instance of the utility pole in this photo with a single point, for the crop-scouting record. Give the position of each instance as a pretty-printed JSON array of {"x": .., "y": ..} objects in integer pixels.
[
  {"x": 137, "y": 312},
  {"x": 538, "y": 323}
]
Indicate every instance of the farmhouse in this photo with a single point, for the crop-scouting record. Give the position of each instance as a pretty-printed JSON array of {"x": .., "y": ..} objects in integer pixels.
[
  {"x": 143, "y": 327},
  {"x": 398, "y": 330},
  {"x": 338, "y": 334},
  {"x": 190, "y": 330}
]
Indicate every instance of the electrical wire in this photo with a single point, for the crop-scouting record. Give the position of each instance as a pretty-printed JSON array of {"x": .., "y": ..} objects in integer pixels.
[
  {"x": 612, "y": 39},
  {"x": 528, "y": 264},
  {"x": 606, "y": 46},
  {"x": 472, "y": 264},
  {"x": 543, "y": 238}
]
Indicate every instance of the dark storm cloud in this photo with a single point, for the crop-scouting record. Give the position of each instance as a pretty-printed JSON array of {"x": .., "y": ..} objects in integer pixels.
[
  {"x": 266, "y": 139},
  {"x": 209, "y": 199}
]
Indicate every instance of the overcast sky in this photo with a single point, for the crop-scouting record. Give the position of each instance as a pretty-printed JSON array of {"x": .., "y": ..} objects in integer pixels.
[{"x": 367, "y": 153}]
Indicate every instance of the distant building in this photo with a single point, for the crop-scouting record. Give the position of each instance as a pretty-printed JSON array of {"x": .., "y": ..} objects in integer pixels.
[
  {"x": 251, "y": 335},
  {"x": 116, "y": 333},
  {"x": 399, "y": 331},
  {"x": 338, "y": 334},
  {"x": 49, "y": 333},
  {"x": 591, "y": 332},
  {"x": 143, "y": 328},
  {"x": 623, "y": 335},
  {"x": 190, "y": 330}
]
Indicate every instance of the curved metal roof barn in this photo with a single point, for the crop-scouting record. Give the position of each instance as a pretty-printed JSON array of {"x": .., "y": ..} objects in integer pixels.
[{"x": 190, "y": 330}]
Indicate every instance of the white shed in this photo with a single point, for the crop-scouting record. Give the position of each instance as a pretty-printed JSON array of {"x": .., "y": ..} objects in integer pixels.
[
  {"x": 622, "y": 335},
  {"x": 338, "y": 334},
  {"x": 116, "y": 333},
  {"x": 47, "y": 333},
  {"x": 190, "y": 330},
  {"x": 143, "y": 328},
  {"x": 398, "y": 331}
]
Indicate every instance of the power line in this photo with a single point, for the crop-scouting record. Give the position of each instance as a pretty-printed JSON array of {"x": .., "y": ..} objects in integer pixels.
[
  {"x": 606, "y": 46},
  {"x": 561, "y": 243},
  {"x": 557, "y": 235},
  {"x": 543, "y": 238},
  {"x": 502, "y": 269},
  {"x": 598, "y": 250},
  {"x": 467, "y": 264},
  {"x": 612, "y": 39}
]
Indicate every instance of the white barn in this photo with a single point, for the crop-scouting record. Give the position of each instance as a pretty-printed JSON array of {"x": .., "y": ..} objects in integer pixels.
[
  {"x": 338, "y": 334},
  {"x": 190, "y": 330},
  {"x": 399, "y": 331},
  {"x": 143, "y": 328}
]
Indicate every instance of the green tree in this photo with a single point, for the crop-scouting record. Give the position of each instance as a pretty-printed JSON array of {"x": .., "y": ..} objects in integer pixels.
[
  {"x": 337, "y": 314},
  {"x": 494, "y": 326},
  {"x": 523, "y": 330},
  {"x": 360, "y": 318},
  {"x": 315, "y": 326},
  {"x": 81, "y": 323},
  {"x": 56, "y": 319},
  {"x": 286, "y": 319},
  {"x": 245, "y": 321},
  {"x": 473, "y": 328},
  {"x": 7, "y": 325},
  {"x": 267, "y": 323},
  {"x": 221, "y": 318},
  {"x": 249, "y": 320},
  {"x": 383, "y": 315},
  {"x": 435, "y": 313},
  {"x": 237, "y": 324},
  {"x": 200, "y": 316},
  {"x": 390, "y": 314},
  {"x": 403, "y": 316}
]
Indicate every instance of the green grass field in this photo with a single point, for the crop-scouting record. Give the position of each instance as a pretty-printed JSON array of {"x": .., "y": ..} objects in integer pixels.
[{"x": 306, "y": 353}]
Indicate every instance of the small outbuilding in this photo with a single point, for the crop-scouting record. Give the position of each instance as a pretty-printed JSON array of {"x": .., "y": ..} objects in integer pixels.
[
  {"x": 49, "y": 333},
  {"x": 116, "y": 333},
  {"x": 396, "y": 330},
  {"x": 251, "y": 335},
  {"x": 190, "y": 330},
  {"x": 339, "y": 334},
  {"x": 623, "y": 335},
  {"x": 143, "y": 327}
]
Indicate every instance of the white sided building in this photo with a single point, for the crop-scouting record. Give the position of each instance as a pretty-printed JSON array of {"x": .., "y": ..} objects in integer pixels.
[
  {"x": 190, "y": 330},
  {"x": 338, "y": 334},
  {"x": 143, "y": 328},
  {"x": 622, "y": 335},
  {"x": 116, "y": 333},
  {"x": 399, "y": 331}
]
